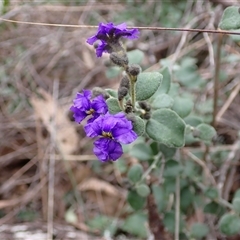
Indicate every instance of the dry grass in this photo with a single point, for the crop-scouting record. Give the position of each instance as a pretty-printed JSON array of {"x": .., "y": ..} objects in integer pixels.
[{"x": 41, "y": 70}]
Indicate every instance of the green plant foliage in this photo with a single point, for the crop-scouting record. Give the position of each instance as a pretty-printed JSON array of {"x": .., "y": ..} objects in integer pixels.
[
  {"x": 135, "y": 173},
  {"x": 113, "y": 106},
  {"x": 135, "y": 56},
  {"x": 213, "y": 208},
  {"x": 141, "y": 151},
  {"x": 112, "y": 92},
  {"x": 166, "y": 82},
  {"x": 102, "y": 223},
  {"x": 186, "y": 197},
  {"x": 150, "y": 79},
  {"x": 143, "y": 190},
  {"x": 139, "y": 126},
  {"x": 162, "y": 100},
  {"x": 204, "y": 132},
  {"x": 135, "y": 224},
  {"x": 211, "y": 193},
  {"x": 172, "y": 169},
  {"x": 70, "y": 216},
  {"x": 236, "y": 201},
  {"x": 199, "y": 230},
  {"x": 113, "y": 72},
  {"x": 229, "y": 224},
  {"x": 160, "y": 197},
  {"x": 135, "y": 201},
  {"x": 182, "y": 106},
  {"x": 120, "y": 165},
  {"x": 167, "y": 152},
  {"x": 187, "y": 74},
  {"x": 166, "y": 127},
  {"x": 230, "y": 19},
  {"x": 169, "y": 222}
]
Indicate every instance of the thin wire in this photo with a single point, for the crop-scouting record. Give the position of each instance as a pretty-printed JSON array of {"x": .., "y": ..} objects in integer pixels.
[{"x": 142, "y": 28}]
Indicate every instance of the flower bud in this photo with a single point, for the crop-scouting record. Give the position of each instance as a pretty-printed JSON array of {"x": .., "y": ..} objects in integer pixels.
[
  {"x": 133, "y": 69},
  {"x": 146, "y": 115},
  {"x": 122, "y": 92},
  {"x": 144, "y": 105},
  {"x": 125, "y": 82},
  {"x": 99, "y": 91},
  {"x": 128, "y": 107},
  {"x": 118, "y": 59}
]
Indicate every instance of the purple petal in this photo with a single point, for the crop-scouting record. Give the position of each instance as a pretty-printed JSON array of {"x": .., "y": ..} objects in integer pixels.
[
  {"x": 78, "y": 114},
  {"x": 107, "y": 149},
  {"x": 99, "y": 105},
  {"x": 92, "y": 40}
]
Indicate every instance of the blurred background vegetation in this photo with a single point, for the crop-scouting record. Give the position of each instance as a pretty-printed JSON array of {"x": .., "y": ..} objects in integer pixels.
[{"x": 51, "y": 182}]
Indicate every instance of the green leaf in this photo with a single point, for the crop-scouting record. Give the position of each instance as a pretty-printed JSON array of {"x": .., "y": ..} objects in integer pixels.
[
  {"x": 172, "y": 169},
  {"x": 100, "y": 222},
  {"x": 143, "y": 190},
  {"x": 162, "y": 100},
  {"x": 160, "y": 197},
  {"x": 199, "y": 230},
  {"x": 170, "y": 185},
  {"x": 135, "y": 173},
  {"x": 188, "y": 75},
  {"x": 213, "y": 208},
  {"x": 147, "y": 84},
  {"x": 187, "y": 198},
  {"x": 193, "y": 120},
  {"x": 167, "y": 151},
  {"x": 182, "y": 106},
  {"x": 135, "y": 224},
  {"x": 166, "y": 127},
  {"x": 135, "y": 56},
  {"x": 113, "y": 72},
  {"x": 70, "y": 216},
  {"x": 166, "y": 82},
  {"x": 204, "y": 132},
  {"x": 236, "y": 201},
  {"x": 169, "y": 222},
  {"x": 111, "y": 92},
  {"x": 135, "y": 201},
  {"x": 138, "y": 126},
  {"x": 236, "y": 205},
  {"x": 237, "y": 194},
  {"x": 141, "y": 151},
  {"x": 229, "y": 224},
  {"x": 121, "y": 165},
  {"x": 211, "y": 192},
  {"x": 230, "y": 19},
  {"x": 113, "y": 106}
]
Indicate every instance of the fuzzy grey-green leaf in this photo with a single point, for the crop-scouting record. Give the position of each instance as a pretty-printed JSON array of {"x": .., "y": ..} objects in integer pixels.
[
  {"x": 147, "y": 84},
  {"x": 113, "y": 106},
  {"x": 166, "y": 127},
  {"x": 230, "y": 19},
  {"x": 138, "y": 126}
]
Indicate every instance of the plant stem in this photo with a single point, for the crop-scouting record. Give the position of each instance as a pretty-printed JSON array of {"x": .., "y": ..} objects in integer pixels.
[
  {"x": 177, "y": 208},
  {"x": 132, "y": 82}
]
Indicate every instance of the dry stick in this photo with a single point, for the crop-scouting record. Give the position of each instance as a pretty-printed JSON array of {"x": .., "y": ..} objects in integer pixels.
[
  {"x": 216, "y": 79},
  {"x": 52, "y": 167},
  {"x": 141, "y": 28},
  {"x": 226, "y": 165},
  {"x": 226, "y": 105},
  {"x": 202, "y": 164}
]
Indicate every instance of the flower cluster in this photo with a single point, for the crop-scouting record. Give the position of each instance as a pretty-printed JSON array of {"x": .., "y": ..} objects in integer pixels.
[
  {"x": 109, "y": 35},
  {"x": 111, "y": 130}
]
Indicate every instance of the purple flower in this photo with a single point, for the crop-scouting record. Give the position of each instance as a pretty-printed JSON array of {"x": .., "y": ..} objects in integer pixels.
[
  {"x": 113, "y": 130},
  {"x": 109, "y": 34},
  {"x": 84, "y": 106}
]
